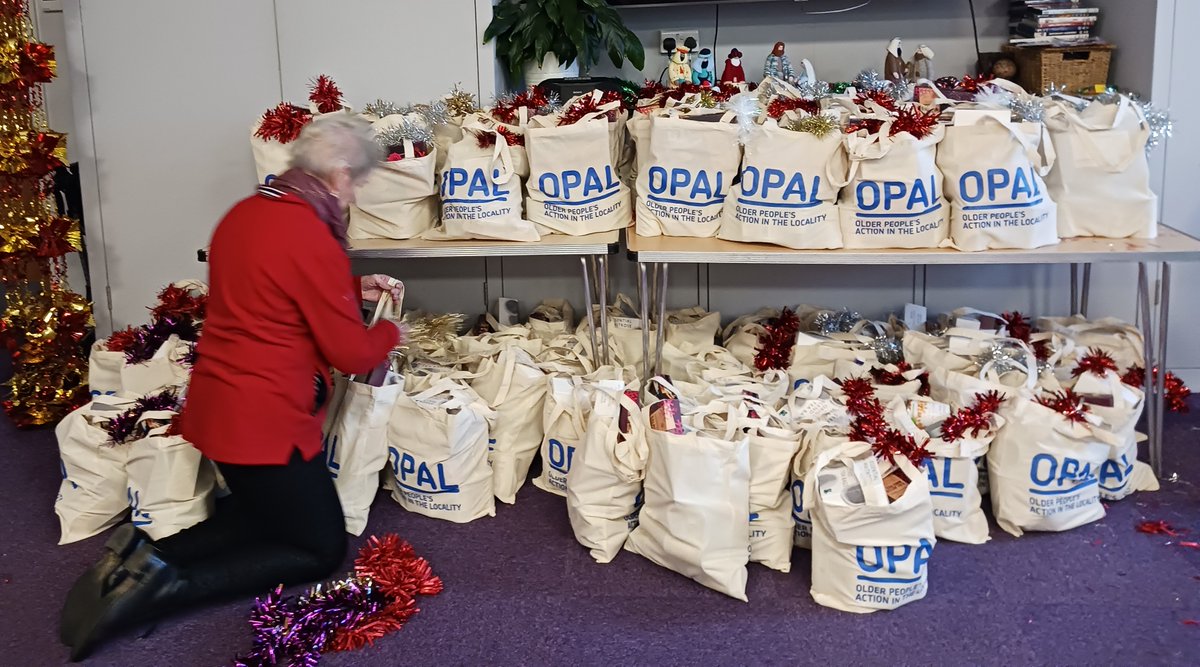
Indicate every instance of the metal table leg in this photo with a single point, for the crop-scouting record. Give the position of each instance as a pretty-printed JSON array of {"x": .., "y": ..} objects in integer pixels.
[
  {"x": 1160, "y": 362},
  {"x": 1086, "y": 289},
  {"x": 1074, "y": 288},
  {"x": 602, "y": 285},
  {"x": 591, "y": 318},
  {"x": 1152, "y": 408},
  {"x": 662, "y": 320},
  {"x": 644, "y": 308}
]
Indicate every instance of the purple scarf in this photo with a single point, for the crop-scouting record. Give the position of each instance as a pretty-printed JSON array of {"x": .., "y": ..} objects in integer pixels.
[{"x": 323, "y": 202}]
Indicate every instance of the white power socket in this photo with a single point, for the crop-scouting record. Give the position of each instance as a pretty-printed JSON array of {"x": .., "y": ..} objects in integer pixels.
[{"x": 678, "y": 35}]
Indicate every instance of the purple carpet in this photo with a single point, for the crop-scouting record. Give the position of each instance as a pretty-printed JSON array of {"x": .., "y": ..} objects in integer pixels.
[{"x": 520, "y": 591}]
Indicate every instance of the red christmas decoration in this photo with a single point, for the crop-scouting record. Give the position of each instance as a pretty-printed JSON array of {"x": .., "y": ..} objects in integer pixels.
[
  {"x": 588, "y": 105},
  {"x": 508, "y": 110},
  {"x": 1096, "y": 362},
  {"x": 891, "y": 378},
  {"x": 1158, "y": 528},
  {"x": 776, "y": 341},
  {"x": 870, "y": 426},
  {"x": 178, "y": 303},
  {"x": 1068, "y": 404},
  {"x": 880, "y": 97},
  {"x": 974, "y": 419},
  {"x": 947, "y": 83},
  {"x": 488, "y": 139},
  {"x": 1018, "y": 325},
  {"x": 916, "y": 122},
  {"x": 1175, "y": 390},
  {"x": 971, "y": 84},
  {"x": 781, "y": 105},
  {"x": 122, "y": 340},
  {"x": 871, "y": 125},
  {"x": 651, "y": 90},
  {"x": 283, "y": 123},
  {"x": 57, "y": 237},
  {"x": 324, "y": 93}
]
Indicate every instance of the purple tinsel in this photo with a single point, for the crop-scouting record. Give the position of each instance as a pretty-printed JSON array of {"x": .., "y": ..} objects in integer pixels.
[
  {"x": 189, "y": 357},
  {"x": 149, "y": 338},
  {"x": 294, "y": 631},
  {"x": 124, "y": 427}
]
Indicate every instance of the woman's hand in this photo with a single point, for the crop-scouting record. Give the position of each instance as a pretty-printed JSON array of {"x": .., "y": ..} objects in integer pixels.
[{"x": 373, "y": 287}]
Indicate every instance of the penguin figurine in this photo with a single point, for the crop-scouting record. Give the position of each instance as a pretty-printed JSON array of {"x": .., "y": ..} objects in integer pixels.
[
  {"x": 894, "y": 67},
  {"x": 703, "y": 73}
]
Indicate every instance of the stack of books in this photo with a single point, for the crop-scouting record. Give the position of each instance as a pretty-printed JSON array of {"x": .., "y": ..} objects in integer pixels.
[{"x": 1050, "y": 22}]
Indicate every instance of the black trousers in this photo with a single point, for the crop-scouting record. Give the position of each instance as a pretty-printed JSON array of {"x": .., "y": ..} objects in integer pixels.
[{"x": 282, "y": 524}]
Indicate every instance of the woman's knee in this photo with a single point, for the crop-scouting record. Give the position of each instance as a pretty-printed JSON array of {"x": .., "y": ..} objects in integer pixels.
[{"x": 330, "y": 551}]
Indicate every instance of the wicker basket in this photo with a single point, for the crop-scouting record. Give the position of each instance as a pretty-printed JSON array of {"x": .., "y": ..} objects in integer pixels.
[{"x": 1072, "y": 67}]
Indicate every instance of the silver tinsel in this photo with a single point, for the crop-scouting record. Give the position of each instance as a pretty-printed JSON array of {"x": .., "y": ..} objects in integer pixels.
[
  {"x": 814, "y": 90},
  {"x": 746, "y": 109},
  {"x": 901, "y": 91},
  {"x": 829, "y": 322},
  {"x": 888, "y": 350},
  {"x": 1002, "y": 358},
  {"x": 1029, "y": 108},
  {"x": 869, "y": 80},
  {"x": 436, "y": 113},
  {"x": 408, "y": 128},
  {"x": 381, "y": 108},
  {"x": 553, "y": 105},
  {"x": 1158, "y": 120},
  {"x": 992, "y": 96}
]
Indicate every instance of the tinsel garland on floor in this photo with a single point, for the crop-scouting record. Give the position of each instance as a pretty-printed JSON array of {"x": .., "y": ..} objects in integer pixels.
[
  {"x": 43, "y": 323},
  {"x": 344, "y": 615}
]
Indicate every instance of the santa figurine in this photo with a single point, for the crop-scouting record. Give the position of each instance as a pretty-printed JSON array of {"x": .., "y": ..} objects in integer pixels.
[
  {"x": 778, "y": 66},
  {"x": 733, "y": 72}
]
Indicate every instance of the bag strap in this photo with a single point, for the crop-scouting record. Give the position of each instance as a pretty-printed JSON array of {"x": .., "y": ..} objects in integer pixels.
[
  {"x": 502, "y": 154},
  {"x": 1112, "y": 161},
  {"x": 1030, "y": 365}
]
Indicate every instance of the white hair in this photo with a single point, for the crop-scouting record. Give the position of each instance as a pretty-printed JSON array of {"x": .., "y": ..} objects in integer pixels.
[{"x": 334, "y": 141}]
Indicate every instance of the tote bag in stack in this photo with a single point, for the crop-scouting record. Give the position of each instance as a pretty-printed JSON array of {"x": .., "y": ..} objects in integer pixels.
[
  {"x": 271, "y": 158},
  {"x": 894, "y": 196},
  {"x": 788, "y": 190},
  {"x": 993, "y": 173},
  {"x": 564, "y": 425},
  {"x": 93, "y": 493},
  {"x": 1102, "y": 181},
  {"x": 695, "y": 520},
  {"x": 399, "y": 198},
  {"x": 104, "y": 369},
  {"x": 689, "y": 168},
  {"x": 868, "y": 553},
  {"x": 438, "y": 453},
  {"x": 515, "y": 388},
  {"x": 481, "y": 194},
  {"x": 170, "y": 483},
  {"x": 604, "y": 484},
  {"x": 1119, "y": 407},
  {"x": 573, "y": 184}
]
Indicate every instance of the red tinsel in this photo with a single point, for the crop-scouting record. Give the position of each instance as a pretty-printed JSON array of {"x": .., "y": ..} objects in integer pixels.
[
  {"x": 776, "y": 341},
  {"x": 974, "y": 419},
  {"x": 58, "y": 237},
  {"x": 880, "y": 97},
  {"x": 947, "y": 83},
  {"x": 506, "y": 111},
  {"x": 488, "y": 139},
  {"x": 1068, "y": 404},
  {"x": 870, "y": 426},
  {"x": 871, "y": 125},
  {"x": 891, "y": 378},
  {"x": 971, "y": 84},
  {"x": 179, "y": 303},
  {"x": 1096, "y": 362},
  {"x": 781, "y": 105},
  {"x": 323, "y": 92},
  {"x": 33, "y": 64},
  {"x": 1018, "y": 325},
  {"x": 122, "y": 340},
  {"x": 1174, "y": 389},
  {"x": 1158, "y": 528},
  {"x": 857, "y": 388},
  {"x": 651, "y": 90},
  {"x": 588, "y": 105},
  {"x": 916, "y": 122},
  {"x": 283, "y": 123}
]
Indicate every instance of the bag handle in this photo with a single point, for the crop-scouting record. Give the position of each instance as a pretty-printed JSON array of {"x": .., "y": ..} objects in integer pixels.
[
  {"x": 502, "y": 154},
  {"x": 443, "y": 386},
  {"x": 849, "y": 450},
  {"x": 1111, "y": 161},
  {"x": 632, "y": 452},
  {"x": 1030, "y": 365}
]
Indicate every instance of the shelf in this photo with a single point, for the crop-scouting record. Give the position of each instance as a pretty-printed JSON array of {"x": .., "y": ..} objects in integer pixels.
[
  {"x": 1170, "y": 246},
  {"x": 602, "y": 243}
]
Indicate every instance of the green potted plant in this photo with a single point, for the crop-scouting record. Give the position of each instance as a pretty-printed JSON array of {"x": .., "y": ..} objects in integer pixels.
[{"x": 544, "y": 39}]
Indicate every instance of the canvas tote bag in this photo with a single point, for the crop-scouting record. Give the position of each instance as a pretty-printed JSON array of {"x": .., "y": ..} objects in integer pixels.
[
  {"x": 695, "y": 520},
  {"x": 1102, "y": 181},
  {"x": 104, "y": 369},
  {"x": 171, "y": 485},
  {"x": 438, "y": 453},
  {"x": 481, "y": 194},
  {"x": 894, "y": 195},
  {"x": 93, "y": 492},
  {"x": 399, "y": 198},
  {"x": 788, "y": 190},
  {"x": 515, "y": 388},
  {"x": 573, "y": 183},
  {"x": 993, "y": 175},
  {"x": 868, "y": 557},
  {"x": 690, "y": 166},
  {"x": 604, "y": 484}
]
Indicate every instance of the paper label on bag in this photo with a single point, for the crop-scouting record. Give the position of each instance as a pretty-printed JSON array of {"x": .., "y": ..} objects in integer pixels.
[
  {"x": 871, "y": 478},
  {"x": 561, "y": 386},
  {"x": 976, "y": 116},
  {"x": 626, "y": 322},
  {"x": 915, "y": 316},
  {"x": 816, "y": 409},
  {"x": 927, "y": 412},
  {"x": 433, "y": 402}
]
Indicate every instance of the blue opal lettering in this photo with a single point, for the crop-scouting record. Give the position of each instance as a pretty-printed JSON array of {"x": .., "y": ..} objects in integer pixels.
[
  {"x": 681, "y": 182},
  {"x": 418, "y": 475},
  {"x": 945, "y": 482},
  {"x": 560, "y": 455},
  {"x": 897, "y": 195},
  {"x": 1019, "y": 185},
  {"x": 863, "y": 565},
  {"x": 797, "y": 497},
  {"x": 1045, "y": 470},
  {"x": 1115, "y": 471},
  {"x": 474, "y": 184},
  {"x": 567, "y": 184},
  {"x": 761, "y": 185},
  {"x": 895, "y": 557},
  {"x": 329, "y": 446}
]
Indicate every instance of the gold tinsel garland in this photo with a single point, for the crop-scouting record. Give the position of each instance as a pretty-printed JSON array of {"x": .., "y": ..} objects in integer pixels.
[{"x": 43, "y": 324}]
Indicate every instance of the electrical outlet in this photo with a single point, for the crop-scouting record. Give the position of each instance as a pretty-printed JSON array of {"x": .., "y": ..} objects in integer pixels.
[{"x": 680, "y": 36}]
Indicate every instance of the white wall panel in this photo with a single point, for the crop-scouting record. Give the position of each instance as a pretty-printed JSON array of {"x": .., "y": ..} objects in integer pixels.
[{"x": 402, "y": 50}]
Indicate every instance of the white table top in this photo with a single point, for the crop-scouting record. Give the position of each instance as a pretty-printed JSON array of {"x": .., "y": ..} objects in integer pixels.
[{"x": 1170, "y": 246}]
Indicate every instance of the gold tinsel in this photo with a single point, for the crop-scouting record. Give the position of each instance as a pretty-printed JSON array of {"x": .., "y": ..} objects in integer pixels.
[
  {"x": 461, "y": 103},
  {"x": 819, "y": 125},
  {"x": 428, "y": 332}
]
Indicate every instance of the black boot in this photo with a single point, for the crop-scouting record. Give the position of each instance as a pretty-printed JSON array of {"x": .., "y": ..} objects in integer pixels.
[
  {"x": 129, "y": 593},
  {"x": 120, "y": 544}
]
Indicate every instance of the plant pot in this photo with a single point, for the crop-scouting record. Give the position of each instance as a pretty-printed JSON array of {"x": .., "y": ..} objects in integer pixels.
[{"x": 549, "y": 68}]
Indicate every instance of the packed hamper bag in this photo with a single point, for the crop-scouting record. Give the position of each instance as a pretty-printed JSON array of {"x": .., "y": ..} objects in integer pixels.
[
  {"x": 604, "y": 484},
  {"x": 788, "y": 190},
  {"x": 162, "y": 371},
  {"x": 1118, "y": 406},
  {"x": 438, "y": 453},
  {"x": 690, "y": 165},
  {"x": 271, "y": 137},
  {"x": 574, "y": 187},
  {"x": 551, "y": 318},
  {"x": 171, "y": 485},
  {"x": 515, "y": 388},
  {"x": 871, "y": 547},
  {"x": 692, "y": 330},
  {"x": 993, "y": 171},
  {"x": 399, "y": 199},
  {"x": 481, "y": 192},
  {"x": 894, "y": 195},
  {"x": 93, "y": 494},
  {"x": 695, "y": 519},
  {"x": 1102, "y": 180},
  {"x": 470, "y": 351},
  {"x": 740, "y": 336},
  {"x": 822, "y": 421},
  {"x": 624, "y": 331},
  {"x": 1044, "y": 465},
  {"x": 1119, "y": 339},
  {"x": 104, "y": 369},
  {"x": 355, "y": 443},
  {"x": 814, "y": 355}
]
